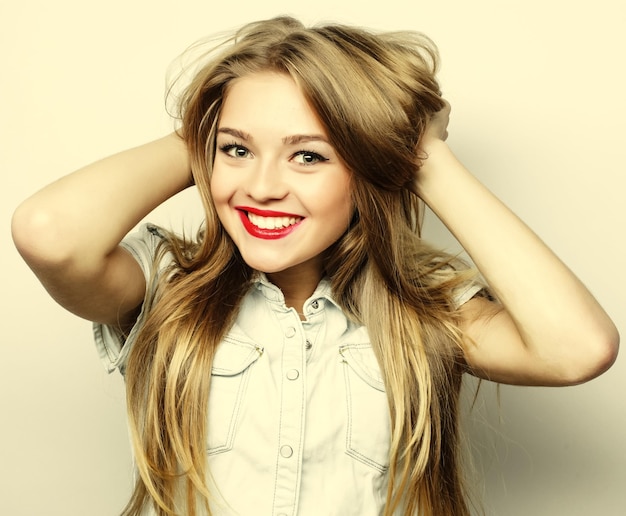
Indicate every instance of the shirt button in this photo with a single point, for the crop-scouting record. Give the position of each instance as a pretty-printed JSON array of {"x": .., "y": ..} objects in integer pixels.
[
  {"x": 286, "y": 451},
  {"x": 290, "y": 332},
  {"x": 308, "y": 344},
  {"x": 315, "y": 304},
  {"x": 293, "y": 374}
]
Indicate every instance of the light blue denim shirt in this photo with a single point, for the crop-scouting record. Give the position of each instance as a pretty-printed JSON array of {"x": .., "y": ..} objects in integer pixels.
[{"x": 298, "y": 415}]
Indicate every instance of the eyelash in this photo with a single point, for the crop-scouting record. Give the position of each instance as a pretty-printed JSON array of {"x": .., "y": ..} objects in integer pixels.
[
  {"x": 316, "y": 156},
  {"x": 228, "y": 147}
]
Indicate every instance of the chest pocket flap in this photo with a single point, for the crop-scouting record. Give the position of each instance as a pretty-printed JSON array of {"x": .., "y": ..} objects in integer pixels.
[
  {"x": 361, "y": 358},
  {"x": 233, "y": 356}
]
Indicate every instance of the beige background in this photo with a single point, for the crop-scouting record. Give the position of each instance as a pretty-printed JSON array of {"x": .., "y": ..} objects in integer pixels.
[{"x": 537, "y": 89}]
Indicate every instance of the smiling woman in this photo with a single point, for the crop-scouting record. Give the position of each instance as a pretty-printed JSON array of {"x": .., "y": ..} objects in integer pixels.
[
  {"x": 307, "y": 339},
  {"x": 279, "y": 187}
]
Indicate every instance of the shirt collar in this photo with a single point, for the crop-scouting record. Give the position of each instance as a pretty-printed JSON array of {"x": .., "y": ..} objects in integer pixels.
[{"x": 273, "y": 293}]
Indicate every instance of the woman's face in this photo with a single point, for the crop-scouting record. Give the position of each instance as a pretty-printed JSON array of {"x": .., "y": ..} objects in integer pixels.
[{"x": 279, "y": 187}]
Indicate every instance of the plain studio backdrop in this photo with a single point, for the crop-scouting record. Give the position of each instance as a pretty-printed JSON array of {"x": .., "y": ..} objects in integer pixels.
[{"x": 537, "y": 90}]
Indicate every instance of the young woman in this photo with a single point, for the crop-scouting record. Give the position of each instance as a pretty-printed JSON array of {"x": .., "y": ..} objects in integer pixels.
[{"x": 304, "y": 354}]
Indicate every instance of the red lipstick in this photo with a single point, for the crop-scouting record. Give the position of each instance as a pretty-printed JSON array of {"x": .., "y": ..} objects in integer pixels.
[{"x": 266, "y": 234}]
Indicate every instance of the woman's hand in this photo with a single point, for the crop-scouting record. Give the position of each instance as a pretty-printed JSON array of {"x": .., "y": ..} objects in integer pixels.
[
  {"x": 438, "y": 125},
  {"x": 433, "y": 150}
]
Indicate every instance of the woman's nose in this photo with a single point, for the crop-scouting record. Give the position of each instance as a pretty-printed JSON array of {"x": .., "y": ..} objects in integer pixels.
[{"x": 266, "y": 182}]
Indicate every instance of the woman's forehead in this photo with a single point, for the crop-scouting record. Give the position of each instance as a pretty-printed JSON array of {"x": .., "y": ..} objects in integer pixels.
[{"x": 270, "y": 101}]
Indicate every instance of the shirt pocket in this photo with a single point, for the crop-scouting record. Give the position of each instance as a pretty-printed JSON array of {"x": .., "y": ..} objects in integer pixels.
[
  {"x": 232, "y": 364},
  {"x": 368, "y": 429}
]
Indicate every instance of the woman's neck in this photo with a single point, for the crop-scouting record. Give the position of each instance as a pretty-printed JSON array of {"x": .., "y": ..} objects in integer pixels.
[{"x": 297, "y": 284}]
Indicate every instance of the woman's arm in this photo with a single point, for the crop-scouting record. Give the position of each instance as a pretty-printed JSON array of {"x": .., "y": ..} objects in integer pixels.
[
  {"x": 69, "y": 232},
  {"x": 551, "y": 330}
]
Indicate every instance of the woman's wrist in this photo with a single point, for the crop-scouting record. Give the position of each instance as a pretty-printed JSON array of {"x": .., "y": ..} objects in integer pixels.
[
  {"x": 181, "y": 158},
  {"x": 437, "y": 161}
]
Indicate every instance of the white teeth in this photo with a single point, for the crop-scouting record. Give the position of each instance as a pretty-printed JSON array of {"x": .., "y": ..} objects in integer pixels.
[{"x": 272, "y": 222}]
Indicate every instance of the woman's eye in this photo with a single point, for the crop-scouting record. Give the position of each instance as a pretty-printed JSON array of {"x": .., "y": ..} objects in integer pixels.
[
  {"x": 308, "y": 158},
  {"x": 235, "y": 151}
]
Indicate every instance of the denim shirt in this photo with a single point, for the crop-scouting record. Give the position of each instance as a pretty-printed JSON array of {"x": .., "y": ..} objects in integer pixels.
[{"x": 298, "y": 416}]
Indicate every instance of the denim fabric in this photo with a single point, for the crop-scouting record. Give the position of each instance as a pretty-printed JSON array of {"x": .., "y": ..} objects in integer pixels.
[{"x": 298, "y": 415}]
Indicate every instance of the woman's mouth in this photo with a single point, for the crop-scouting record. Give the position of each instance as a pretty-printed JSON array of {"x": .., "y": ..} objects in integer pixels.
[{"x": 266, "y": 224}]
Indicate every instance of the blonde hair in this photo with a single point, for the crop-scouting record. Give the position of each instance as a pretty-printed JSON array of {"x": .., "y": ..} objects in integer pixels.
[{"x": 374, "y": 94}]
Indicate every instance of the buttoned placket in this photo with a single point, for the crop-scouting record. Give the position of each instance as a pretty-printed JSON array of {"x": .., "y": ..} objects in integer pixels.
[{"x": 292, "y": 415}]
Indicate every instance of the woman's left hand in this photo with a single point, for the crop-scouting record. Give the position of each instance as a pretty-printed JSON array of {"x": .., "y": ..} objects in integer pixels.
[{"x": 438, "y": 125}]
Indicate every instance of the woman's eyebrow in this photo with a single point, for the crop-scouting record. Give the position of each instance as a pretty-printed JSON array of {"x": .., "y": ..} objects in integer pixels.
[
  {"x": 287, "y": 140},
  {"x": 300, "y": 138},
  {"x": 236, "y": 133}
]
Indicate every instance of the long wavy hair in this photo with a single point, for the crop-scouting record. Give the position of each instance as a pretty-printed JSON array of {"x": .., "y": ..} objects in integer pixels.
[{"x": 374, "y": 93}]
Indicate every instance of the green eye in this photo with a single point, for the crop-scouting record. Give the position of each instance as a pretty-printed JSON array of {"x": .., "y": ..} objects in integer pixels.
[
  {"x": 235, "y": 151},
  {"x": 308, "y": 157}
]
